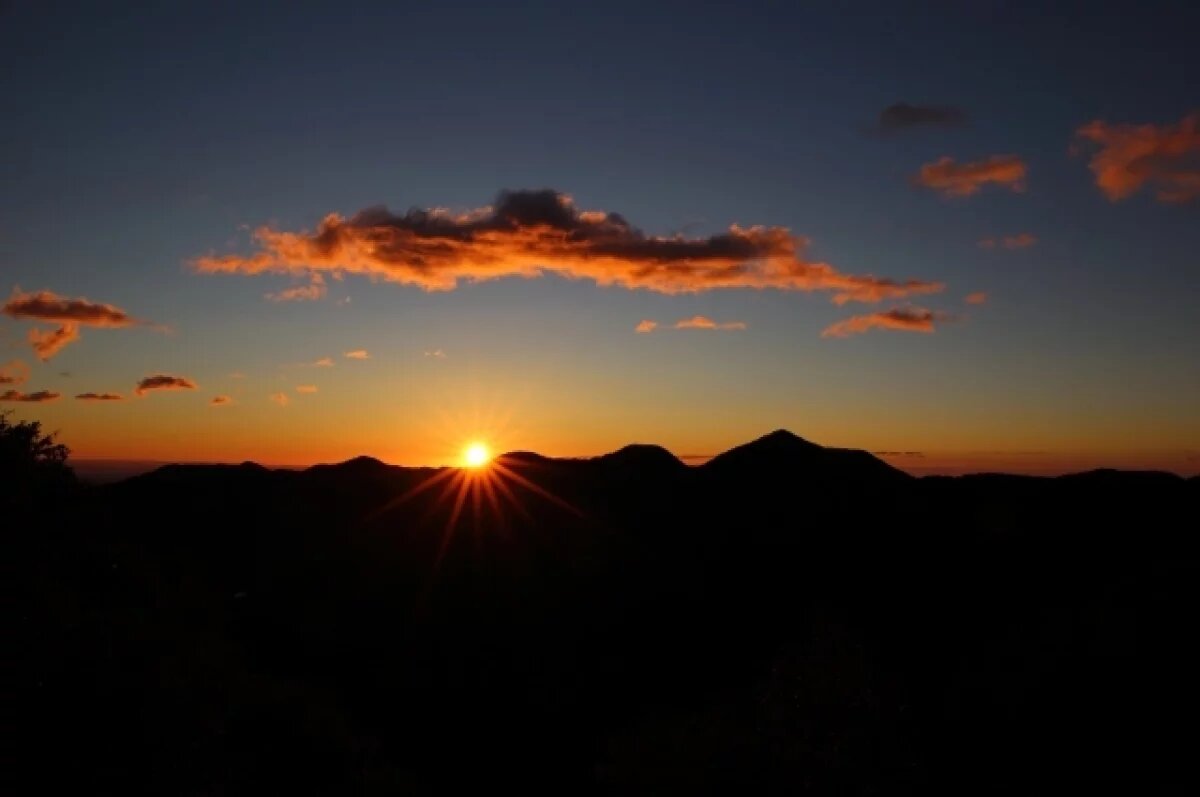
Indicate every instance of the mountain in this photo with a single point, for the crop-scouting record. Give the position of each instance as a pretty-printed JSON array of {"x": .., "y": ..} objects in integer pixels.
[{"x": 784, "y": 618}]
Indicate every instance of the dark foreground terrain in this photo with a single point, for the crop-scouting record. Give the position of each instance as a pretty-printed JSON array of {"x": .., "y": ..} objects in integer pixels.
[{"x": 784, "y": 619}]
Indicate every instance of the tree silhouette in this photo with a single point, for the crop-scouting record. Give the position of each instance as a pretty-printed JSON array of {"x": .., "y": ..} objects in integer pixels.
[{"x": 32, "y": 463}]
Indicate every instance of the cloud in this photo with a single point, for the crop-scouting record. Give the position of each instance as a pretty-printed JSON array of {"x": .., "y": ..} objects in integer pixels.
[
  {"x": 904, "y": 319},
  {"x": 979, "y": 297},
  {"x": 49, "y": 306},
  {"x": 902, "y": 116},
  {"x": 13, "y": 372},
  {"x": 306, "y": 388},
  {"x": 1166, "y": 157},
  {"x": 68, "y": 313},
  {"x": 314, "y": 290},
  {"x": 703, "y": 322},
  {"x": 964, "y": 179},
  {"x": 49, "y": 342},
  {"x": 40, "y": 396},
  {"x": 532, "y": 233},
  {"x": 325, "y": 362},
  {"x": 646, "y": 325},
  {"x": 163, "y": 382},
  {"x": 358, "y": 354},
  {"x": 436, "y": 353},
  {"x": 1021, "y": 240},
  {"x": 220, "y": 401},
  {"x": 100, "y": 397},
  {"x": 280, "y": 398}
]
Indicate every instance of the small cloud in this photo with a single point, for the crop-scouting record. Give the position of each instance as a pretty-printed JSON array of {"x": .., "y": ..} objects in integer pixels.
[
  {"x": 237, "y": 375},
  {"x": 345, "y": 300},
  {"x": 99, "y": 397},
  {"x": 903, "y": 116},
  {"x": 280, "y": 398},
  {"x": 979, "y": 297},
  {"x": 39, "y": 396},
  {"x": 65, "y": 374},
  {"x": 703, "y": 322},
  {"x": 14, "y": 372},
  {"x": 964, "y": 179},
  {"x": 1166, "y": 157},
  {"x": 436, "y": 353},
  {"x": 325, "y": 362},
  {"x": 646, "y": 325},
  {"x": 1021, "y": 240},
  {"x": 163, "y": 382},
  {"x": 311, "y": 292},
  {"x": 48, "y": 342},
  {"x": 220, "y": 401},
  {"x": 358, "y": 354},
  {"x": 903, "y": 319},
  {"x": 306, "y": 388}
]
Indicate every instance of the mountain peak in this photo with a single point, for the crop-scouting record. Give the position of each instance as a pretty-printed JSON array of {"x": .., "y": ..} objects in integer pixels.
[{"x": 641, "y": 455}]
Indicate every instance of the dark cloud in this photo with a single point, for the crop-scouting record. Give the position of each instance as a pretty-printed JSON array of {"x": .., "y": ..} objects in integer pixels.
[
  {"x": 100, "y": 397},
  {"x": 13, "y": 372},
  {"x": 163, "y": 382},
  {"x": 41, "y": 395},
  {"x": 531, "y": 233},
  {"x": 903, "y": 116}
]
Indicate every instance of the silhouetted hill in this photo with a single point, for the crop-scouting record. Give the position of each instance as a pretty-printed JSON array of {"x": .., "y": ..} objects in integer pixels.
[{"x": 787, "y": 618}]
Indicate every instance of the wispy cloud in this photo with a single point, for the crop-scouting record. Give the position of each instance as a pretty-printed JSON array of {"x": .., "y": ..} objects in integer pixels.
[
  {"x": 280, "y": 398},
  {"x": 903, "y": 319},
  {"x": 1021, "y": 240},
  {"x": 704, "y": 322},
  {"x": 964, "y": 179},
  {"x": 436, "y": 353},
  {"x": 14, "y": 372},
  {"x": 531, "y": 233},
  {"x": 163, "y": 382},
  {"x": 100, "y": 397},
  {"x": 49, "y": 342},
  {"x": 979, "y": 297},
  {"x": 1165, "y": 157},
  {"x": 324, "y": 362},
  {"x": 39, "y": 396},
  {"x": 314, "y": 290},
  {"x": 220, "y": 401},
  {"x": 903, "y": 116},
  {"x": 646, "y": 325},
  {"x": 306, "y": 388},
  {"x": 68, "y": 313},
  {"x": 358, "y": 354}
]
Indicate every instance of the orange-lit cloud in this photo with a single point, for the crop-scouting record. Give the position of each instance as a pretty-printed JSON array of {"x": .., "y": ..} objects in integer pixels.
[
  {"x": 325, "y": 362},
  {"x": 68, "y": 313},
  {"x": 49, "y": 306},
  {"x": 100, "y": 397},
  {"x": 1021, "y": 240},
  {"x": 903, "y": 116},
  {"x": 904, "y": 319},
  {"x": 646, "y": 325},
  {"x": 220, "y": 401},
  {"x": 703, "y": 322},
  {"x": 306, "y": 388},
  {"x": 39, "y": 396},
  {"x": 311, "y": 292},
  {"x": 163, "y": 382},
  {"x": 531, "y": 233},
  {"x": 358, "y": 354},
  {"x": 1167, "y": 157},
  {"x": 13, "y": 372},
  {"x": 280, "y": 398},
  {"x": 49, "y": 342},
  {"x": 964, "y": 179},
  {"x": 436, "y": 353},
  {"x": 979, "y": 297}
]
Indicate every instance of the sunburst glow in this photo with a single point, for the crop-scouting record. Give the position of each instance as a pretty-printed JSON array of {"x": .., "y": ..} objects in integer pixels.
[{"x": 476, "y": 455}]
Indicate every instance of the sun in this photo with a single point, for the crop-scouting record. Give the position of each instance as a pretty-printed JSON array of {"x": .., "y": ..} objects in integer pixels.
[{"x": 476, "y": 455}]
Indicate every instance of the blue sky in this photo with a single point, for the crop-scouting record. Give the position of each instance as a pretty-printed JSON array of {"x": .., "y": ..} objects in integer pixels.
[{"x": 138, "y": 140}]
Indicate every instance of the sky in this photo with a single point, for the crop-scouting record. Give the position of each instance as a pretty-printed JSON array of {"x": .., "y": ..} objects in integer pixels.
[{"x": 961, "y": 235}]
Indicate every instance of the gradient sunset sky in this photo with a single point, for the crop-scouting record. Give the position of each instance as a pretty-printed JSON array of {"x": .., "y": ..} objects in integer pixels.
[{"x": 965, "y": 234}]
